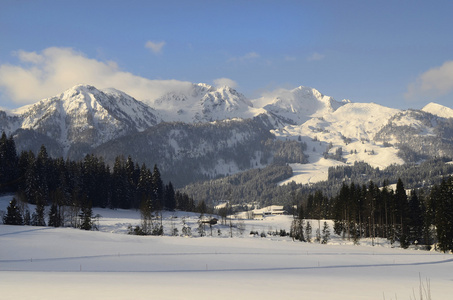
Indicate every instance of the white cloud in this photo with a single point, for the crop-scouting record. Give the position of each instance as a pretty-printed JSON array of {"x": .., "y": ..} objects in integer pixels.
[
  {"x": 155, "y": 47},
  {"x": 435, "y": 82},
  {"x": 247, "y": 56},
  {"x": 220, "y": 82},
  {"x": 316, "y": 56},
  {"x": 32, "y": 57},
  {"x": 54, "y": 70}
]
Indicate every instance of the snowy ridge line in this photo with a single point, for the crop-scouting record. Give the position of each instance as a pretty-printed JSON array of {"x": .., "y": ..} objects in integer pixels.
[
  {"x": 209, "y": 253},
  {"x": 250, "y": 269}
]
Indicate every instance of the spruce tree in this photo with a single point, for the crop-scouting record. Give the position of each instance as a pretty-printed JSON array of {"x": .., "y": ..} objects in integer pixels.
[
  {"x": 308, "y": 230},
  {"x": 8, "y": 164},
  {"x": 443, "y": 215},
  {"x": 86, "y": 217},
  {"x": 325, "y": 233},
  {"x": 54, "y": 216},
  {"x": 415, "y": 219},
  {"x": 402, "y": 208},
  {"x": 38, "y": 215},
  {"x": 158, "y": 189},
  {"x": 170, "y": 201},
  {"x": 13, "y": 215},
  {"x": 27, "y": 217},
  {"x": 297, "y": 226}
]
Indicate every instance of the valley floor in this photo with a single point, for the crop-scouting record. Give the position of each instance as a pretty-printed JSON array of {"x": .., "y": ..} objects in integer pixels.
[{"x": 65, "y": 263}]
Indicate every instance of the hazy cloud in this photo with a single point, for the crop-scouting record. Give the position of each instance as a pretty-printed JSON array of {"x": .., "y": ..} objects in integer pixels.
[
  {"x": 220, "y": 82},
  {"x": 155, "y": 47},
  {"x": 31, "y": 57},
  {"x": 316, "y": 56},
  {"x": 54, "y": 70},
  {"x": 247, "y": 56},
  {"x": 435, "y": 82}
]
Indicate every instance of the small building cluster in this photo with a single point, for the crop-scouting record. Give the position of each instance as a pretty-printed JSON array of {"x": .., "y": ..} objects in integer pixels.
[{"x": 259, "y": 214}]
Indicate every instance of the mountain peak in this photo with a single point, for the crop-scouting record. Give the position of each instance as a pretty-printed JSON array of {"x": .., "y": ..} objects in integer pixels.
[
  {"x": 438, "y": 110},
  {"x": 86, "y": 88},
  {"x": 297, "y": 105}
]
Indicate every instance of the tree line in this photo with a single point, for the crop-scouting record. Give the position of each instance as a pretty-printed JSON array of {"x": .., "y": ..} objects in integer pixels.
[{"x": 72, "y": 188}]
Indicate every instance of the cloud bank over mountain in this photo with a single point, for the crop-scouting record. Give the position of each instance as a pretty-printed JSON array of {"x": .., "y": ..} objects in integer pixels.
[{"x": 55, "y": 69}]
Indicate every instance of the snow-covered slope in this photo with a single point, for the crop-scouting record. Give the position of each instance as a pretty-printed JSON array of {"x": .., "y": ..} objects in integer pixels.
[
  {"x": 298, "y": 105},
  {"x": 360, "y": 120},
  {"x": 438, "y": 110},
  {"x": 342, "y": 137}
]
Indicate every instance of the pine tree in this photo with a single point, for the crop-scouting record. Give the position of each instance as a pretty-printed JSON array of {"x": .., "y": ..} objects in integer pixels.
[
  {"x": 297, "y": 226},
  {"x": 13, "y": 215},
  {"x": 8, "y": 164},
  {"x": 415, "y": 219},
  {"x": 27, "y": 217},
  {"x": 121, "y": 195},
  {"x": 43, "y": 174},
  {"x": 54, "y": 216},
  {"x": 201, "y": 207},
  {"x": 170, "y": 201},
  {"x": 38, "y": 215},
  {"x": 86, "y": 217},
  {"x": 325, "y": 233},
  {"x": 186, "y": 229},
  {"x": 201, "y": 226},
  {"x": 158, "y": 189},
  {"x": 308, "y": 231},
  {"x": 443, "y": 214},
  {"x": 402, "y": 208}
]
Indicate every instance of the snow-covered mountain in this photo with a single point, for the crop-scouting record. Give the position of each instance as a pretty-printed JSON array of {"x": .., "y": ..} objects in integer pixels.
[
  {"x": 418, "y": 135},
  {"x": 84, "y": 120},
  {"x": 438, "y": 110},
  {"x": 83, "y": 115},
  {"x": 298, "y": 105},
  {"x": 204, "y": 103}
]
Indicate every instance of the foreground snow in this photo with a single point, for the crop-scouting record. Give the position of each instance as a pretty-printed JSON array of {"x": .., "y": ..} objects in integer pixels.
[{"x": 65, "y": 263}]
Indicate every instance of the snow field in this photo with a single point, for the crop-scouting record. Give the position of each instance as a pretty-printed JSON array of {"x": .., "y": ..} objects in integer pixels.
[{"x": 66, "y": 263}]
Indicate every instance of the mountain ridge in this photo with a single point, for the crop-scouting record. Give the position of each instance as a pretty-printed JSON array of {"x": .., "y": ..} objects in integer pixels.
[{"x": 83, "y": 120}]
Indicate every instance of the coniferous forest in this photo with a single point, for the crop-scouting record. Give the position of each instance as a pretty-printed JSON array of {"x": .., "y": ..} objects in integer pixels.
[
  {"x": 367, "y": 211},
  {"x": 72, "y": 188}
]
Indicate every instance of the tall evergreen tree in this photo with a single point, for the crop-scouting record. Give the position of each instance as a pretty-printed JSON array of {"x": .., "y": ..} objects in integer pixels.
[
  {"x": 38, "y": 218},
  {"x": 13, "y": 215},
  {"x": 43, "y": 173},
  {"x": 443, "y": 214},
  {"x": 8, "y": 164},
  {"x": 297, "y": 225},
  {"x": 402, "y": 208},
  {"x": 325, "y": 233},
  {"x": 54, "y": 216},
  {"x": 158, "y": 189},
  {"x": 170, "y": 201},
  {"x": 86, "y": 215},
  {"x": 415, "y": 219},
  {"x": 121, "y": 195}
]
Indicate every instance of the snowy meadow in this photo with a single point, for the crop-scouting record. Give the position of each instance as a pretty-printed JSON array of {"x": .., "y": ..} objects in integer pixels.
[{"x": 67, "y": 263}]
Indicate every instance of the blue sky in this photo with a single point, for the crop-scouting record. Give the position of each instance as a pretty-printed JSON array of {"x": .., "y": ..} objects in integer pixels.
[{"x": 395, "y": 53}]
